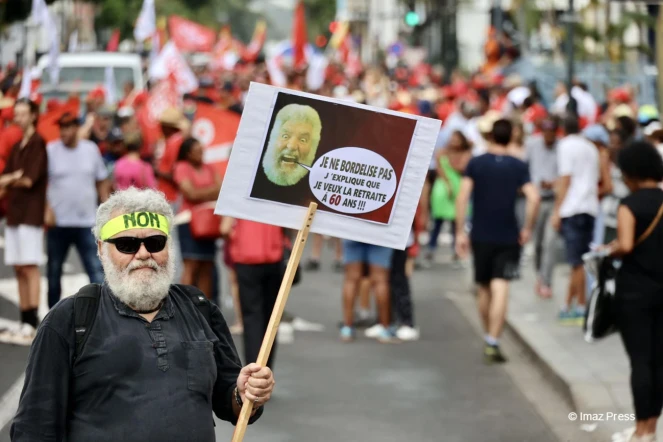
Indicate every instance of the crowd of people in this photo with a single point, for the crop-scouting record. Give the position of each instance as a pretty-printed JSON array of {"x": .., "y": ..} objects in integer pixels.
[{"x": 509, "y": 173}]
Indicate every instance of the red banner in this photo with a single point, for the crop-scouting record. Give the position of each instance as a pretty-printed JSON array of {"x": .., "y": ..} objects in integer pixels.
[
  {"x": 216, "y": 130},
  {"x": 190, "y": 36}
]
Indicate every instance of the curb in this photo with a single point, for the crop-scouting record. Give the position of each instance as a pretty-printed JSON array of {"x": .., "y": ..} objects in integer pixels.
[{"x": 602, "y": 433}]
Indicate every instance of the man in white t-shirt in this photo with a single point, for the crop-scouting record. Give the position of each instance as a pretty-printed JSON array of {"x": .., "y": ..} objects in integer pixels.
[
  {"x": 77, "y": 183},
  {"x": 576, "y": 207}
]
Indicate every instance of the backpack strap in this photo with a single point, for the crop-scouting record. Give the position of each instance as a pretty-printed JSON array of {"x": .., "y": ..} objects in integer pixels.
[
  {"x": 199, "y": 300},
  {"x": 86, "y": 303}
]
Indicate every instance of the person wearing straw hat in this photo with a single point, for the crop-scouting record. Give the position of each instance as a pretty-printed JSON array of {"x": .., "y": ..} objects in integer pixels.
[{"x": 151, "y": 361}]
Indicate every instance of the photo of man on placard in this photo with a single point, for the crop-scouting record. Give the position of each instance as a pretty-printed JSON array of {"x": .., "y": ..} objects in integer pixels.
[{"x": 294, "y": 139}]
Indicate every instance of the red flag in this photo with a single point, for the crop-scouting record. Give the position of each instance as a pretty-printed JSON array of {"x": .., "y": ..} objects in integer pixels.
[
  {"x": 114, "y": 42},
  {"x": 216, "y": 129},
  {"x": 189, "y": 36},
  {"x": 250, "y": 54},
  {"x": 48, "y": 127},
  {"x": 299, "y": 38}
]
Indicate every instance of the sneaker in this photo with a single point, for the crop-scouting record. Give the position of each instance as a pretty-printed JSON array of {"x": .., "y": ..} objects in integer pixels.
[
  {"x": 375, "y": 331},
  {"x": 387, "y": 336},
  {"x": 493, "y": 355},
  {"x": 22, "y": 335},
  {"x": 571, "y": 317},
  {"x": 300, "y": 324},
  {"x": 406, "y": 333},
  {"x": 347, "y": 334},
  {"x": 313, "y": 265},
  {"x": 286, "y": 334}
]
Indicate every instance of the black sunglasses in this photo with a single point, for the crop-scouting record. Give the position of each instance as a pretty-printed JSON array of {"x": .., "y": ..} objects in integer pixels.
[{"x": 131, "y": 245}]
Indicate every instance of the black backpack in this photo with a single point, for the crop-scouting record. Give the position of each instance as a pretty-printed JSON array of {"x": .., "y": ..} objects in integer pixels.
[{"x": 86, "y": 304}]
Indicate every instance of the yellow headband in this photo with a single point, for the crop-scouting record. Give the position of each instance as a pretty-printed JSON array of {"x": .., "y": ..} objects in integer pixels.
[{"x": 136, "y": 220}]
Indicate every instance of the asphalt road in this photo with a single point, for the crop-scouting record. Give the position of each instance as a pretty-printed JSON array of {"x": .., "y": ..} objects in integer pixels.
[{"x": 436, "y": 389}]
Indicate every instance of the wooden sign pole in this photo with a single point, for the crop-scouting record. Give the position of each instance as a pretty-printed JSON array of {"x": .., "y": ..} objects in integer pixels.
[{"x": 277, "y": 313}]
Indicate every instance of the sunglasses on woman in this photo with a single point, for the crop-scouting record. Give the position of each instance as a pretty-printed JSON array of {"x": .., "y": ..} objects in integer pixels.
[{"x": 131, "y": 245}]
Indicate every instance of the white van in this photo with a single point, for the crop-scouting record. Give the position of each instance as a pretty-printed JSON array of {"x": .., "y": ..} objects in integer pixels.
[{"x": 82, "y": 72}]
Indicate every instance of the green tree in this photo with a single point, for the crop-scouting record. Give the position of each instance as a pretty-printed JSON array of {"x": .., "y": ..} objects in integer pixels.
[
  {"x": 122, "y": 14},
  {"x": 319, "y": 13}
]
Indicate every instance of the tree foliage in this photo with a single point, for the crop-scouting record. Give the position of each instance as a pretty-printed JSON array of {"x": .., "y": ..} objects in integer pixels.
[
  {"x": 122, "y": 14},
  {"x": 319, "y": 14}
]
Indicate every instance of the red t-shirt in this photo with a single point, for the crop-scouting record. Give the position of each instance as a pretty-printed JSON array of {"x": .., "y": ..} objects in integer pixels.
[
  {"x": 166, "y": 164},
  {"x": 200, "y": 178},
  {"x": 9, "y": 136}
]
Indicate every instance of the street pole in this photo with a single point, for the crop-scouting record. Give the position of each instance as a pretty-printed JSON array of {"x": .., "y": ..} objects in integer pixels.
[
  {"x": 570, "y": 51},
  {"x": 659, "y": 55},
  {"x": 497, "y": 5}
]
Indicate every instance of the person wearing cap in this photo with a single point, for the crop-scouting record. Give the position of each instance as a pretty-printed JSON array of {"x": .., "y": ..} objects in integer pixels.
[
  {"x": 78, "y": 181},
  {"x": 158, "y": 360},
  {"x": 116, "y": 149},
  {"x": 24, "y": 182}
]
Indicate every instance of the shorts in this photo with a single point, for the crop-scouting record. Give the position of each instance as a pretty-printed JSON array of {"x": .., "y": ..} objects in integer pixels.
[
  {"x": 578, "y": 233},
  {"x": 24, "y": 245},
  {"x": 194, "y": 249},
  {"x": 357, "y": 252},
  {"x": 495, "y": 261}
]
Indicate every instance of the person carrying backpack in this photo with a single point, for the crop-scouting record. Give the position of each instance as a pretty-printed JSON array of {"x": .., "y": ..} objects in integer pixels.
[{"x": 136, "y": 358}]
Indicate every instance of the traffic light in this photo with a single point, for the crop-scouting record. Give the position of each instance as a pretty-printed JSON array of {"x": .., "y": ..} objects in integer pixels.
[{"x": 412, "y": 19}]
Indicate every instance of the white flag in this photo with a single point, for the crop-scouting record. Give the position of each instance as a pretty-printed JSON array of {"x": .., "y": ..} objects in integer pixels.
[
  {"x": 42, "y": 16},
  {"x": 146, "y": 25},
  {"x": 170, "y": 61},
  {"x": 155, "y": 49},
  {"x": 276, "y": 74},
  {"x": 26, "y": 83},
  {"x": 109, "y": 85},
  {"x": 315, "y": 75},
  {"x": 73, "y": 41}
]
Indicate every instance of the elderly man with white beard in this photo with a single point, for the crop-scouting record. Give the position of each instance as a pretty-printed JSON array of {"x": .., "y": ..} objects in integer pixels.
[
  {"x": 293, "y": 140},
  {"x": 143, "y": 360}
]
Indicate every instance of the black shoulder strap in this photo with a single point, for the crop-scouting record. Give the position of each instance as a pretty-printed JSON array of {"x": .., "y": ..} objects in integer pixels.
[
  {"x": 86, "y": 303},
  {"x": 200, "y": 301}
]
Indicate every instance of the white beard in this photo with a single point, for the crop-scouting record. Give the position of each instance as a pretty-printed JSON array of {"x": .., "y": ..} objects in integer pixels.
[
  {"x": 271, "y": 164},
  {"x": 141, "y": 291}
]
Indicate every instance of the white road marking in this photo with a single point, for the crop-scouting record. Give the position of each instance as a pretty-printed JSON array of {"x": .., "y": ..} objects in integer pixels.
[{"x": 9, "y": 401}]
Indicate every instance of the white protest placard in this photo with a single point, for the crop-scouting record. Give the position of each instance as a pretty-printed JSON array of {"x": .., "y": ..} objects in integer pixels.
[{"x": 363, "y": 166}]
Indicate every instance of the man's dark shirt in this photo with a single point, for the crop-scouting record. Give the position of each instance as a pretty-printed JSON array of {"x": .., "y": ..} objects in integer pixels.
[
  {"x": 298, "y": 194},
  {"x": 497, "y": 179},
  {"x": 134, "y": 380}
]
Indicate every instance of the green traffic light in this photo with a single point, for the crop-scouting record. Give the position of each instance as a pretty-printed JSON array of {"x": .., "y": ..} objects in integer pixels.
[{"x": 412, "y": 18}]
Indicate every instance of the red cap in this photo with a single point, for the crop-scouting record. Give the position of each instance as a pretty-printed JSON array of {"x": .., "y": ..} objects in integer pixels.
[
  {"x": 621, "y": 95},
  {"x": 53, "y": 104},
  {"x": 97, "y": 93}
]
